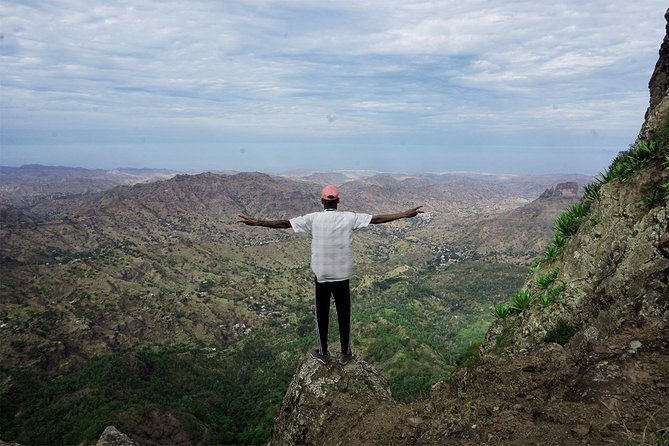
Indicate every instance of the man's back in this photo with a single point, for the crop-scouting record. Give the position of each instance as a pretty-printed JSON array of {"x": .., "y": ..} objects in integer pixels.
[{"x": 331, "y": 245}]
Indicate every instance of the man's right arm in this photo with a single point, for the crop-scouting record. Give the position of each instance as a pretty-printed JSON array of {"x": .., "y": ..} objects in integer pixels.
[{"x": 250, "y": 221}]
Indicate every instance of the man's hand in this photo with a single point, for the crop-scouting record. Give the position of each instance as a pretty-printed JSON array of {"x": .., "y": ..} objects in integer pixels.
[
  {"x": 250, "y": 221},
  {"x": 409, "y": 213}
]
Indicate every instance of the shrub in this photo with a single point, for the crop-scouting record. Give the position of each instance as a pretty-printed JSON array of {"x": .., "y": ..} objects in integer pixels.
[
  {"x": 544, "y": 300},
  {"x": 591, "y": 191},
  {"x": 632, "y": 161},
  {"x": 655, "y": 196},
  {"x": 535, "y": 264},
  {"x": 665, "y": 186},
  {"x": 568, "y": 222},
  {"x": 551, "y": 253},
  {"x": 470, "y": 357},
  {"x": 546, "y": 280},
  {"x": 559, "y": 240},
  {"x": 501, "y": 311},
  {"x": 521, "y": 301},
  {"x": 551, "y": 295}
]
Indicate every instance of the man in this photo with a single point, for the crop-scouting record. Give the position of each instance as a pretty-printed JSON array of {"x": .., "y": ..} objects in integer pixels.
[{"x": 331, "y": 261}]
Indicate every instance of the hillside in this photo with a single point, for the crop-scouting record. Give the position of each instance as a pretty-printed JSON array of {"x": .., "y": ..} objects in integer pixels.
[
  {"x": 118, "y": 306},
  {"x": 34, "y": 182},
  {"x": 579, "y": 356},
  {"x": 492, "y": 237}
]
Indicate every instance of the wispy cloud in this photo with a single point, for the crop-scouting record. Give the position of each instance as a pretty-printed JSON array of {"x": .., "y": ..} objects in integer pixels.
[{"x": 272, "y": 68}]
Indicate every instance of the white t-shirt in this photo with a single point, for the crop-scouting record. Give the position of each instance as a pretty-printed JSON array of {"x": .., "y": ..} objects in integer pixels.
[{"x": 331, "y": 241}]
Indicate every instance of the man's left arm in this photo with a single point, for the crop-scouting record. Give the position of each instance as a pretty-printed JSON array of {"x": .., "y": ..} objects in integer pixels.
[{"x": 385, "y": 218}]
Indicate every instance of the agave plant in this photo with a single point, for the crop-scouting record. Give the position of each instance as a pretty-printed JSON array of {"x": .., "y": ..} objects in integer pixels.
[
  {"x": 649, "y": 149},
  {"x": 559, "y": 240},
  {"x": 501, "y": 311},
  {"x": 521, "y": 300},
  {"x": 591, "y": 191},
  {"x": 551, "y": 253},
  {"x": 568, "y": 222},
  {"x": 655, "y": 196},
  {"x": 544, "y": 300},
  {"x": 631, "y": 162},
  {"x": 555, "y": 292},
  {"x": 546, "y": 280}
]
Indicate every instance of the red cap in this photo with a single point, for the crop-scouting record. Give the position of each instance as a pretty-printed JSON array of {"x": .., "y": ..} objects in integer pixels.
[{"x": 330, "y": 193}]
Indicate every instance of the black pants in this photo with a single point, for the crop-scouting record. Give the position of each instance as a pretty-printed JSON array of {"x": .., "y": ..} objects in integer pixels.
[{"x": 342, "y": 297}]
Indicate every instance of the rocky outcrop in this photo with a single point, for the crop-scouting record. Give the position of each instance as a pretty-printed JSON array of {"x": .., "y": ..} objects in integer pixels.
[
  {"x": 656, "y": 123},
  {"x": 113, "y": 437},
  {"x": 110, "y": 437},
  {"x": 659, "y": 81},
  {"x": 561, "y": 190},
  {"x": 325, "y": 398}
]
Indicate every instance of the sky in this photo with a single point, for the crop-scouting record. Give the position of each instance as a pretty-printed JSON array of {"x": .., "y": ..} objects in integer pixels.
[{"x": 512, "y": 86}]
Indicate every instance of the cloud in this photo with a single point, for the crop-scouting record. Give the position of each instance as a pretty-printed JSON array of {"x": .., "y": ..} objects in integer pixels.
[{"x": 272, "y": 68}]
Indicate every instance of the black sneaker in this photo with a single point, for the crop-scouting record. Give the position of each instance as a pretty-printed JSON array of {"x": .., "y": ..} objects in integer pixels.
[
  {"x": 344, "y": 359},
  {"x": 318, "y": 357}
]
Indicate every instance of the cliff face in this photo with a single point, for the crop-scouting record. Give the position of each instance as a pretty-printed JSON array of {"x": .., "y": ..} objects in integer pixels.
[
  {"x": 615, "y": 269},
  {"x": 590, "y": 365}
]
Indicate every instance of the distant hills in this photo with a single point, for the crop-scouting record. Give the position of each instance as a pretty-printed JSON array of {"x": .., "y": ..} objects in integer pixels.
[
  {"x": 109, "y": 278},
  {"x": 26, "y": 183}
]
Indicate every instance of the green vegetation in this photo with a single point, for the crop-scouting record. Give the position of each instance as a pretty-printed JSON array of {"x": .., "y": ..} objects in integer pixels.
[
  {"x": 566, "y": 226},
  {"x": 501, "y": 311},
  {"x": 631, "y": 162},
  {"x": 470, "y": 357},
  {"x": 236, "y": 396},
  {"x": 562, "y": 332},
  {"x": 550, "y": 295},
  {"x": 412, "y": 326},
  {"x": 521, "y": 301},
  {"x": 546, "y": 280},
  {"x": 591, "y": 191},
  {"x": 568, "y": 222},
  {"x": 415, "y": 327},
  {"x": 624, "y": 166},
  {"x": 656, "y": 196},
  {"x": 523, "y": 298}
]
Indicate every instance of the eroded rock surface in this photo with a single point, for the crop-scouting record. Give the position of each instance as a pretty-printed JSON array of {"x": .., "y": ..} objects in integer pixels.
[{"x": 321, "y": 398}]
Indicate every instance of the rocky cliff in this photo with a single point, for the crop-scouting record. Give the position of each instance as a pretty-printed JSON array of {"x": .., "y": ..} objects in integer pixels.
[
  {"x": 322, "y": 400},
  {"x": 584, "y": 361}
]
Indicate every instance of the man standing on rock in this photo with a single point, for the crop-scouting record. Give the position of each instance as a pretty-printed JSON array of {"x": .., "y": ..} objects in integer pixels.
[{"x": 331, "y": 261}]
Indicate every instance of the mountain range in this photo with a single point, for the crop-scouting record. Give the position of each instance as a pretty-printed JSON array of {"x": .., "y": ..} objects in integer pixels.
[{"x": 162, "y": 265}]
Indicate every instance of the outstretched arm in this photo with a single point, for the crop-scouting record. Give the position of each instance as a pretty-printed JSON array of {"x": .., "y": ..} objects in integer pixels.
[
  {"x": 250, "y": 221},
  {"x": 385, "y": 218}
]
